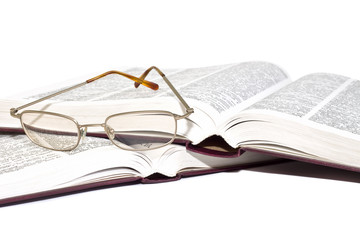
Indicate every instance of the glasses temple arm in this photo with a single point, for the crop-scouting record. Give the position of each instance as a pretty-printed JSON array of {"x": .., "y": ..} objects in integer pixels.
[
  {"x": 137, "y": 80},
  {"x": 146, "y": 83},
  {"x": 189, "y": 110}
]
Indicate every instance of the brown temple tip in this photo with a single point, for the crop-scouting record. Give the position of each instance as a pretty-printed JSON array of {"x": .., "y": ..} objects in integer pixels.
[{"x": 152, "y": 85}]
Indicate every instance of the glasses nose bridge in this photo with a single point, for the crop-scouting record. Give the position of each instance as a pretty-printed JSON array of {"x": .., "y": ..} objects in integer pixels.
[
  {"x": 109, "y": 131},
  {"x": 92, "y": 125},
  {"x": 84, "y": 127}
]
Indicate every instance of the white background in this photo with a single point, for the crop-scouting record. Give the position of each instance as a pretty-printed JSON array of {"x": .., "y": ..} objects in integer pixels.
[{"x": 43, "y": 42}]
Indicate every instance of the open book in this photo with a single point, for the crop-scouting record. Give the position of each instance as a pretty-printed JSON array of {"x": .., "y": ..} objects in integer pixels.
[
  {"x": 253, "y": 106},
  {"x": 28, "y": 171}
]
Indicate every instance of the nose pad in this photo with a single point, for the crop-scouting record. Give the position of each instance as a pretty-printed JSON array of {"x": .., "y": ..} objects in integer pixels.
[
  {"x": 83, "y": 131},
  {"x": 111, "y": 132}
]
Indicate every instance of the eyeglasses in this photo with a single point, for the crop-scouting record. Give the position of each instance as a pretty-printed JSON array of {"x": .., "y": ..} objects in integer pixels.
[{"x": 134, "y": 131}]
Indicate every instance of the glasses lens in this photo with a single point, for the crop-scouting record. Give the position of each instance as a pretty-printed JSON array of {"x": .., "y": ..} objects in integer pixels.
[
  {"x": 141, "y": 130},
  {"x": 51, "y": 131}
]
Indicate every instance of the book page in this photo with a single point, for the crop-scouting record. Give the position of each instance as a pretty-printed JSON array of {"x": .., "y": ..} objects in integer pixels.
[
  {"x": 323, "y": 98},
  {"x": 18, "y": 152},
  {"x": 236, "y": 86},
  {"x": 341, "y": 111},
  {"x": 26, "y": 167},
  {"x": 316, "y": 117}
]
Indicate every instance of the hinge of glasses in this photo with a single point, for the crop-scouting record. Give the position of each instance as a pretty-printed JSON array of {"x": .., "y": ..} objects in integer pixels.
[
  {"x": 13, "y": 113},
  {"x": 189, "y": 111}
]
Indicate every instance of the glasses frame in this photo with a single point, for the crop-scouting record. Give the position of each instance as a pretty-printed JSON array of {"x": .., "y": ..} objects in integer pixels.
[{"x": 82, "y": 128}]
